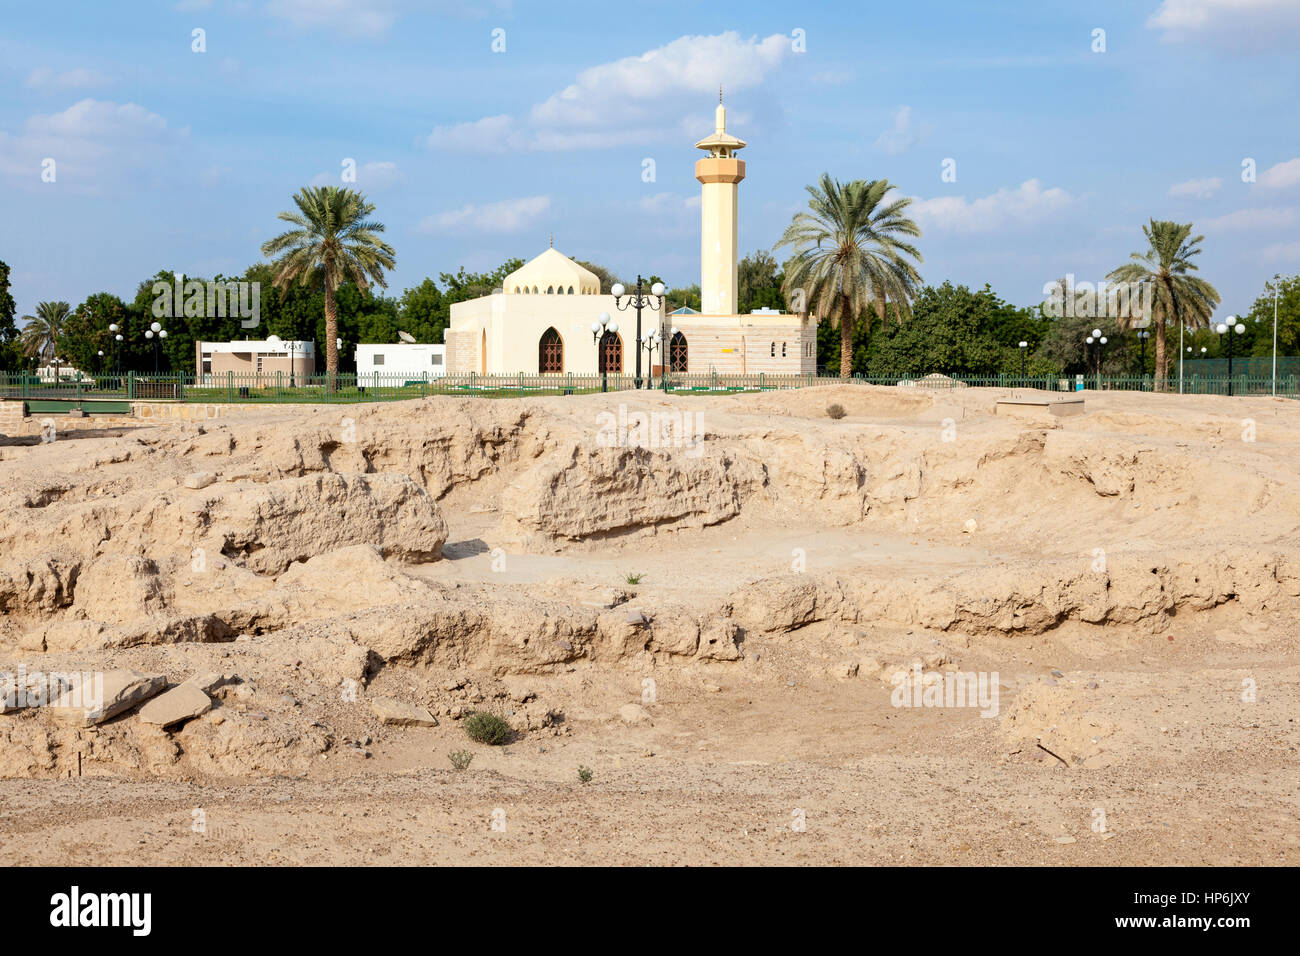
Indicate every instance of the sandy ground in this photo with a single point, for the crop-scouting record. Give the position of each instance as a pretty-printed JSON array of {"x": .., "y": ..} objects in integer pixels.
[{"x": 1150, "y": 722}]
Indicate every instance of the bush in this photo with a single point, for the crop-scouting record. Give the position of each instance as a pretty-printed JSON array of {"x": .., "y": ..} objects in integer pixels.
[
  {"x": 633, "y": 579},
  {"x": 585, "y": 774},
  {"x": 460, "y": 759},
  {"x": 835, "y": 411},
  {"x": 485, "y": 728}
]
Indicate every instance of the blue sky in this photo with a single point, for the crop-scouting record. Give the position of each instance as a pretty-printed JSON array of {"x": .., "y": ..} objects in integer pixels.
[{"x": 167, "y": 158}]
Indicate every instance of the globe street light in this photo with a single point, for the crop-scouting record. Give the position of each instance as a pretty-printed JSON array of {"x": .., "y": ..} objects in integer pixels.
[
  {"x": 599, "y": 329},
  {"x": 1024, "y": 351},
  {"x": 1224, "y": 328},
  {"x": 638, "y": 302},
  {"x": 1143, "y": 335}
]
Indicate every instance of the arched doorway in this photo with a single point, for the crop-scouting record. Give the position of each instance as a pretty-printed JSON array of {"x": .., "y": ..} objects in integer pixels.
[
  {"x": 677, "y": 353},
  {"x": 550, "y": 352},
  {"x": 611, "y": 353}
]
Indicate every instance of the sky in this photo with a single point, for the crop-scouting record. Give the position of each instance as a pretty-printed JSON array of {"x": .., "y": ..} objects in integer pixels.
[{"x": 1035, "y": 136}]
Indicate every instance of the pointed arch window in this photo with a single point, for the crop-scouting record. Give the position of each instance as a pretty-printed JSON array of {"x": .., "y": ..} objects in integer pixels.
[
  {"x": 611, "y": 353},
  {"x": 550, "y": 352},
  {"x": 677, "y": 353}
]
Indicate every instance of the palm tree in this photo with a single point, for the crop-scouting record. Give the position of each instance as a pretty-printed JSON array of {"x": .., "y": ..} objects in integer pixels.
[
  {"x": 1175, "y": 295},
  {"x": 850, "y": 257},
  {"x": 40, "y": 337},
  {"x": 333, "y": 241}
]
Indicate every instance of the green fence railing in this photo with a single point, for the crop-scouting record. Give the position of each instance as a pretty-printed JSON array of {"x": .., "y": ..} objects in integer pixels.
[{"x": 98, "y": 391}]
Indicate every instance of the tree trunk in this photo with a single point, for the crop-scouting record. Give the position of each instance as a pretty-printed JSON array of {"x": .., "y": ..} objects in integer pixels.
[
  {"x": 846, "y": 338},
  {"x": 1162, "y": 359},
  {"x": 331, "y": 335}
]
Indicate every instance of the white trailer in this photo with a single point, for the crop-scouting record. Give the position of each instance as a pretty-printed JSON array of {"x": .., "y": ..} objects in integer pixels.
[{"x": 399, "y": 363}]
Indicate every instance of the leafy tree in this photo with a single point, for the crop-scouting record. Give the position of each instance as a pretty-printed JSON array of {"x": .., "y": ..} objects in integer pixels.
[
  {"x": 336, "y": 241},
  {"x": 687, "y": 297},
  {"x": 85, "y": 333},
  {"x": 1176, "y": 295},
  {"x": 951, "y": 331},
  {"x": 759, "y": 280},
  {"x": 1288, "y": 318},
  {"x": 10, "y": 349},
  {"x": 849, "y": 256},
  {"x": 423, "y": 313}
]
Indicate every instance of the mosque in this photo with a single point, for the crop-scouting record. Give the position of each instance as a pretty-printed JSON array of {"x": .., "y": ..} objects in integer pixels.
[{"x": 540, "y": 320}]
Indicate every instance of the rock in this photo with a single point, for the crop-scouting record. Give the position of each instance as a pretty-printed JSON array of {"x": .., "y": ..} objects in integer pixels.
[
  {"x": 633, "y": 714},
  {"x": 183, "y": 702},
  {"x": 970, "y": 526},
  {"x": 105, "y": 696},
  {"x": 1063, "y": 839},
  {"x": 210, "y": 681},
  {"x": 198, "y": 479},
  {"x": 397, "y": 713},
  {"x": 637, "y": 617}
]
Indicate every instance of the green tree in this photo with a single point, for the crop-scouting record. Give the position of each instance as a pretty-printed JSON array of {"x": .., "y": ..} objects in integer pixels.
[
  {"x": 607, "y": 279},
  {"x": 335, "y": 241},
  {"x": 423, "y": 313},
  {"x": 759, "y": 280},
  {"x": 950, "y": 331},
  {"x": 10, "y": 349},
  {"x": 1176, "y": 295},
  {"x": 1288, "y": 317},
  {"x": 85, "y": 333},
  {"x": 850, "y": 257},
  {"x": 43, "y": 332}
]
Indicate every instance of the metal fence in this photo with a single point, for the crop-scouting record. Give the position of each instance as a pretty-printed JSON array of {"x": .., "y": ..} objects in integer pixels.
[{"x": 108, "y": 392}]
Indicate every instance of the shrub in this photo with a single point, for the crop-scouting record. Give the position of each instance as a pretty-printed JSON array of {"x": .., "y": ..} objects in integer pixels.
[
  {"x": 835, "y": 411},
  {"x": 460, "y": 759},
  {"x": 633, "y": 579},
  {"x": 585, "y": 774},
  {"x": 486, "y": 728}
]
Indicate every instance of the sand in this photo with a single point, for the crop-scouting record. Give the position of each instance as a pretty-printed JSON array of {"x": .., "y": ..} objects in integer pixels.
[{"x": 709, "y": 614}]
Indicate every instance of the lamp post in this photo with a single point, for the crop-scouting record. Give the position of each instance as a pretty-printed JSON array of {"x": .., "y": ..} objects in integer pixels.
[
  {"x": 1024, "y": 352},
  {"x": 652, "y": 342},
  {"x": 1277, "y": 282},
  {"x": 598, "y": 330},
  {"x": 638, "y": 302},
  {"x": 157, "y": 333},
  {"x": 1228, "y": 328},
  {"x": 1099, "y": 340}
]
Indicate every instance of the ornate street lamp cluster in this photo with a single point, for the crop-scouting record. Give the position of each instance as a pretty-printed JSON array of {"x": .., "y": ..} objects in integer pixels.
[{"x": 638, "y": 301}]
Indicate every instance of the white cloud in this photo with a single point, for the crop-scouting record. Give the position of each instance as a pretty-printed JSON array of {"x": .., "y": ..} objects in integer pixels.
[
  {"x": 629, "y": 100},
  {"x": 1025, "y": 205},
  {"x": 1196, "y": 188},
  {"x": 378, "y": 175},
  {"x": 91, "y": 142},
  {"x": 510, "y": 215},
  {"x": 367, "y": 18},
  {"x": 900, "y": 136},
  {"x": 1237, "y": 25},
  {"x": 1282, "y": 252},
  {"x": 668, "y": 203},
  {"x": 43, "y": 78},
  {"x": 1281, "y": 175},
  {"x": 1268, "y": 217}
]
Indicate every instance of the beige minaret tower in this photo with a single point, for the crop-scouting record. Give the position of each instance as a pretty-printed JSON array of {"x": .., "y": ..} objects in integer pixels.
[{"x": 719, "y": 176}]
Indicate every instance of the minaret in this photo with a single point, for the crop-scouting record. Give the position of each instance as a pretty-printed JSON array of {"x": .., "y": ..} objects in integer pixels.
[{"x": 719, "y": 176}]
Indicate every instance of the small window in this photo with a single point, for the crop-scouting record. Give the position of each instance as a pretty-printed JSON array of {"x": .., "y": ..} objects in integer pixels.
[
  {"x": 773, "y": 350},
  {"x": 782, "y": 350},
  {"x": 516, "y": 290},
  {"x": 534, "y": 290},
  {"x": 379, "y": 360},
  {"x": 570, "y": 290},
  {"x": 437, "y": 359},
  {"x": 550, "y": 290}
]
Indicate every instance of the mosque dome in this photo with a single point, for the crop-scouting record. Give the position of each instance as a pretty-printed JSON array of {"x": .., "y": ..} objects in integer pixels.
[{"x": 551, "y": 273}]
